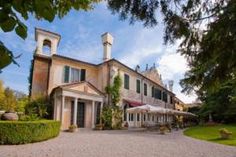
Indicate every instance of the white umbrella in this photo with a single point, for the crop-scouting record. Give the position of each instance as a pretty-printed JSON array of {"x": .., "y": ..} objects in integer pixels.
[
  {"x": 157, "y": 109},
  {"x": 147, "y": 108},
  {"x": 139, "y": 109}
]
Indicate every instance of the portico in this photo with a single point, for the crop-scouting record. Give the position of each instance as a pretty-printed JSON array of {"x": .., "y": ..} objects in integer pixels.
[{"x": 79, "y": 104}]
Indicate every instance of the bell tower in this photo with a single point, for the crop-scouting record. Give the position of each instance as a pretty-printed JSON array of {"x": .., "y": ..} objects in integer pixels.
[{"x": 46, "y": 38}]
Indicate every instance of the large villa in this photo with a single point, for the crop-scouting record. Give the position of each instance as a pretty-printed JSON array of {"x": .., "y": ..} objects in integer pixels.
[{"x": 77, "y": 88}]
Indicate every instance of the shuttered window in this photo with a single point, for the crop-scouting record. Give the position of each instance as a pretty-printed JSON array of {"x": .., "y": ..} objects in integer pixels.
[
  {"x": 74, "y": 74},
  {"x": 153, "y": 91},
  {"x": 66, "y": 74},
  {"x": 145, "y": 89},
  {"x": 138, "y": 86},
  {"x": 126, "y": 81},
  {"x": 164, "y": 96},
  {"x": 157, "y": 93},
  {"x": 83, "y": 75}
]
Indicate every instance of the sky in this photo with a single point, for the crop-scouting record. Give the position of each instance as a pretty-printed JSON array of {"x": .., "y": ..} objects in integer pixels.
[{"x": 81, "y": 39}]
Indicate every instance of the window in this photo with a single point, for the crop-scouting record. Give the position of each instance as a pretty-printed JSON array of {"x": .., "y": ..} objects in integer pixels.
[
  {"x": 144, "y": 117},
  {"x": 157, "y": 93},
  {"x": 73, "y": 74},
  {"x": 66, "y": 74},
  {"x": 125, "y": 113},
  {"x": 138, "y": 117},
  {"x": 171, "y": 99},
  {"x": 148, "y": 117},
  {"x": 126, "y": 81},
  {"x": 153, "y": 91},
  {"x": 145, "y": 89},
  {"x": 153, "y": 118},
  {"x": 138, "y": 86},
  {"x": 131, "y": 117},
  {"x": 164, "y": 96},
  {"x": 82, "y": 75}
]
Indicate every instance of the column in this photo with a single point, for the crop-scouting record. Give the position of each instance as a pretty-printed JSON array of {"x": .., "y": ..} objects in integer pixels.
[
  {"x": 62, "y": 108},
  {"x": 93, "y": 109},
  {"x": 75, "y": 111},
  {"x": 54, "y": 108},
  {"x": 127, "y": 116}
]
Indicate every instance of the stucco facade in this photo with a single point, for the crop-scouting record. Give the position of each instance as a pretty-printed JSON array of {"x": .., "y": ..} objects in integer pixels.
[{"x": 78, "y": 88}]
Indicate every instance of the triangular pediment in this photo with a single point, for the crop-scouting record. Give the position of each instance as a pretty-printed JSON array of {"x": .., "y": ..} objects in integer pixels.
[{"x": 84, "y": 87}]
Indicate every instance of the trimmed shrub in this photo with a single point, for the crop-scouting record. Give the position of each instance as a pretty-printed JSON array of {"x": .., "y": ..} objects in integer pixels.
[{"x": 21, "y": 132}]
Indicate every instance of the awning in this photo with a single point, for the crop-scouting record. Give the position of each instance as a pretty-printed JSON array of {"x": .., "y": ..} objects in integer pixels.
[{"x": 133, "y": 103}]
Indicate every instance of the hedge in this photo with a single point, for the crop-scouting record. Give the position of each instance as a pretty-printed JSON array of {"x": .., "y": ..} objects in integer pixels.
[{"x": 21, "y": 132}]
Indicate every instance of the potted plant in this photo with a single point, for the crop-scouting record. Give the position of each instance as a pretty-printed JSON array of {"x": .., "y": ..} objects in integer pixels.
[
  {"x": 72, "y": 128},
  {"x": 225, "y": 134},
  {"x": 126, "y": 125},
  {"x": 99, "y": 127},
  {"x": 162, "y": 129}
]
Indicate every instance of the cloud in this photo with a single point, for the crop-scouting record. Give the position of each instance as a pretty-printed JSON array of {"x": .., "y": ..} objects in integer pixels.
[
  {"x": 141, "y": 45},
  {"x": 171, "y": 64}
]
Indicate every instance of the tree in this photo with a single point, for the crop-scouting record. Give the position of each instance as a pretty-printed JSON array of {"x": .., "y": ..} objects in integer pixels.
[
  {"x": 2, "y": 95},
  {"x": 11, "y": 12},
  {"x": 206, "y": 29},
  {"x": 9, "y": 103}
]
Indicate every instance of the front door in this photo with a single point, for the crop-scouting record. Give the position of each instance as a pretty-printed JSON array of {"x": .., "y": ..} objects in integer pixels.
[{"x": 80, "y": 114}]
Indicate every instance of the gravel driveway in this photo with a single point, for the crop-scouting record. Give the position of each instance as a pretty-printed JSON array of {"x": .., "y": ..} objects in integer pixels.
[{"x": 119, "y": 144}]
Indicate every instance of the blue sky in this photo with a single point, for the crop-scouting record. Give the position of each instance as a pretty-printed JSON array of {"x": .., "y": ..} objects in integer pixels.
[{"x": 81, "y": 39}]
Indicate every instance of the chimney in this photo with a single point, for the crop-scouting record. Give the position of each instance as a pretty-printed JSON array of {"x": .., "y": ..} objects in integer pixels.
[
  {"x": 171, "y": 83},
  {"x": 146, "y": 67},
  {"x": 107, "y": 41},
  {"x": 137, "y": 68}
]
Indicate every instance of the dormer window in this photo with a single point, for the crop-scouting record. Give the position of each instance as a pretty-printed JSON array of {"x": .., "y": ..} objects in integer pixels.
[{"x": 73, "y": 74}]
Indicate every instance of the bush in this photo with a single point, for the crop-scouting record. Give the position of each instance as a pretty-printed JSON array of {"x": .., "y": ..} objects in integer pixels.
[
  {"x": 40, "y": 106},
  {"x": 225, "y": 134},
  {"x": 107, "y": 117},
  {"x": 21, "y": 132}
]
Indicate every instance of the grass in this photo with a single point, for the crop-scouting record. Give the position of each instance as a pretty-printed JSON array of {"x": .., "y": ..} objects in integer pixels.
[{"x": 211, "y": 133}]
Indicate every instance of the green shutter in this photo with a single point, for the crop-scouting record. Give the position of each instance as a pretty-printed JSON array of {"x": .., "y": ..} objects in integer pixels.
[
  {"x": 138, "y": 86},
  {"x": 126, "y": 80},
  {"x": 153, "y": 92},
  {"x": 66, "y": 74},
  {"x": 145, "y": 89},
  {"x": 83, "y": 75}
]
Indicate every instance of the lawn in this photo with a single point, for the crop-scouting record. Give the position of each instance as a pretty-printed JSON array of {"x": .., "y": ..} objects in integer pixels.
[{"x": 211, "y": 133}]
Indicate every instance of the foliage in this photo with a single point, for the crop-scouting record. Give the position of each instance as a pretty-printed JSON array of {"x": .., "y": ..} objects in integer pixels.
[
  {"x": 211, "y": 133},
  {"x": 9, "y": 101},
  {"x": 112, "y": 117},
  {"x": 39, "y": 106},
  {"x": 116, "y": 117},
  {"x": 2, "y": 95},
  {"x": 21, "y": 103},
  {"x": 107, "y": 117},
  {"x": 19, "y": 132},
  {"x": 220, "y": 104},
  {"x": 114, "y": 90},
  {"x": 12, "y": 12},
  {"x": 30, "y": 117},
  {"x": 206, "y": 29}
]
